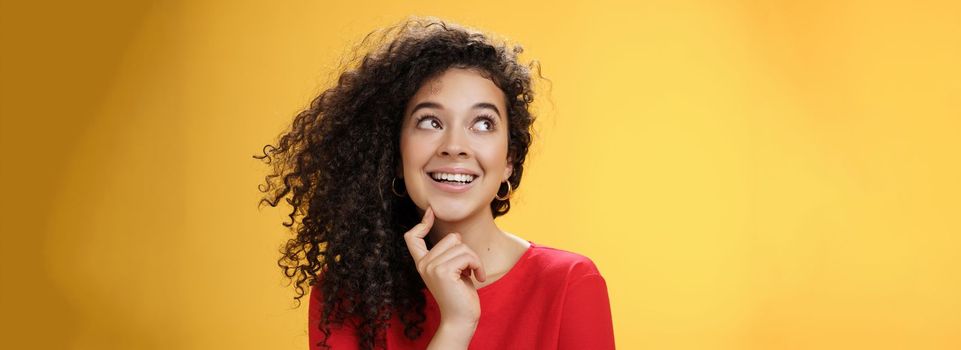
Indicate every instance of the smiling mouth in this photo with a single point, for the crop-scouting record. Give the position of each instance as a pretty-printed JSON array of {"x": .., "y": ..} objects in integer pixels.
[{"x": 453, "y": 179}]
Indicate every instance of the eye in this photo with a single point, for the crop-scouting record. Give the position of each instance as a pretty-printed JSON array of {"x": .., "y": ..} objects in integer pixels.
[
  {"x": 428, "y": 122},
  {"x": 484, "y": 123}
]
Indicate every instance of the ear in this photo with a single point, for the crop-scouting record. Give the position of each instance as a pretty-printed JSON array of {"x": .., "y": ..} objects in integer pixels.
[
  {"x": 399, "y": 171},
  {"x": 509, "y": 169}
]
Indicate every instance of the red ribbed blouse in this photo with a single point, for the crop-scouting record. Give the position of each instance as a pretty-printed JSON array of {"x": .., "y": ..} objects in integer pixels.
[{"x": 549, "y": 299}]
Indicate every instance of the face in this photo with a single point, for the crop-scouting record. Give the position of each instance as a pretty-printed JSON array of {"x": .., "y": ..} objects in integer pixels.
[{"x": 453, "y": 144}]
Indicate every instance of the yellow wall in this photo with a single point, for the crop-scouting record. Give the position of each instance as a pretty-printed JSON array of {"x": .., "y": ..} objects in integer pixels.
[{"x": 746, "y": 174}]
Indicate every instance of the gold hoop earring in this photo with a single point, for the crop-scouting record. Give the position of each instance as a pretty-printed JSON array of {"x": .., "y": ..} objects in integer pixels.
[
  {"x": 393, "y": 187},
  {"x": 508, "y": 195}
]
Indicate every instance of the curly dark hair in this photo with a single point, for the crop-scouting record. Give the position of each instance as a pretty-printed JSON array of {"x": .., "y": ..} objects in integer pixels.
[{"x": 337, "y": 161}]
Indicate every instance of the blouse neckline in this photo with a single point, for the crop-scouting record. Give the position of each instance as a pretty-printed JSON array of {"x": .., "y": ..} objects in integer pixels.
[
  {"x": 513, "y": 270},
  {"x": 524, "y": 257}
]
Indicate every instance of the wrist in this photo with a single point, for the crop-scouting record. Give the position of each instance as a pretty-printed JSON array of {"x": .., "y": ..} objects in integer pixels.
[
  {"x": 459, "y": 327},
  {"x": 453, "y": 335}
]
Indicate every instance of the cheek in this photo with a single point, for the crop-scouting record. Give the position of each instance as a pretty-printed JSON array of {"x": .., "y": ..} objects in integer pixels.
[
  {"x": 415, "y": 153},
  {"x": 494, "y": 157}
]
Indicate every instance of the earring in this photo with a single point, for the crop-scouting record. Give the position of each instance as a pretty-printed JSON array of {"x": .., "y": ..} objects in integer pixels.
[
  {"x": 393, "y": 187},
  {"x": 508, "y": 195}
]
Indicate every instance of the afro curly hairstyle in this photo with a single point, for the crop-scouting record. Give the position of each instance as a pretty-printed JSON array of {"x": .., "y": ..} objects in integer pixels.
[{"x": 349, "y": 242}]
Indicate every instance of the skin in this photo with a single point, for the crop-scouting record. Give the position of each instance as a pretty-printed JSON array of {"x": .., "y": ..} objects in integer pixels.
[{"x": 453, "y": 132}]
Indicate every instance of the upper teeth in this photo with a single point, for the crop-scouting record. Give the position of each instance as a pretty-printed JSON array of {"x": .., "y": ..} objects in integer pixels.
[{"x": 453, "y": 177}]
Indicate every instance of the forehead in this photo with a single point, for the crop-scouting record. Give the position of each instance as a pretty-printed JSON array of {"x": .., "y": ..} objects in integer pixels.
[{"x": 458, "y": 88}]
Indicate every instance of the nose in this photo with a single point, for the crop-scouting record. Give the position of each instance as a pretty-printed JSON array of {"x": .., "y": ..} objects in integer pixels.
[{"x": 454, "y": 145}]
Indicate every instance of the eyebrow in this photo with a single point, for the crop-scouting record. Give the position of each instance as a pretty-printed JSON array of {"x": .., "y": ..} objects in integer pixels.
[{"x": 481, "y": 105}]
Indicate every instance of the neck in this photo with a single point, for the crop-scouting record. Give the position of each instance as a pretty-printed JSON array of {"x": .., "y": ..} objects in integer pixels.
[{"x": 478, "y": 232}]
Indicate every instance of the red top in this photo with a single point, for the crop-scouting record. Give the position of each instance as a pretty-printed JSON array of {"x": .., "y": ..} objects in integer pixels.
[{"x": 549, "y": 299}]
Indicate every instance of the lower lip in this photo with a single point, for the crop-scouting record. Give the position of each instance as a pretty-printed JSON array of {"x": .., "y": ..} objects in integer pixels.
[{"x": 453, "y": 188}]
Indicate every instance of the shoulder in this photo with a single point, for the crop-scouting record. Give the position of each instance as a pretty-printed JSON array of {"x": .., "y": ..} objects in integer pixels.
[{"x": 563, "y": 263}]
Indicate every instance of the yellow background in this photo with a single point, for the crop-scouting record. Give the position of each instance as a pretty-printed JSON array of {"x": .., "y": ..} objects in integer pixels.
[{"x": 745, "y": 174}]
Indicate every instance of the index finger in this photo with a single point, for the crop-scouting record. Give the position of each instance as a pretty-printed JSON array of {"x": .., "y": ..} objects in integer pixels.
[{"x": 415, "y": 237}]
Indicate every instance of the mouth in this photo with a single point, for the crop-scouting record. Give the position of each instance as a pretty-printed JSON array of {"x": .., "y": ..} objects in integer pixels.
[
  {"x": 452, "y": 182},
  {"x": 452, "y": 178}
]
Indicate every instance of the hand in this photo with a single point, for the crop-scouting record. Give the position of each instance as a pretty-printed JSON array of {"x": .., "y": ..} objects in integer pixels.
[{"x": 446, "y": 271}]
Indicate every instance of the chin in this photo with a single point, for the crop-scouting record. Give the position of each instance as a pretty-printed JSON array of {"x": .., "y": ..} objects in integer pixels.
[{"x": 451, "y": 211}]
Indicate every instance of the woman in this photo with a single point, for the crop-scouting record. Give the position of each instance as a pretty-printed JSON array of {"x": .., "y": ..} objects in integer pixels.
[{"x": 397, "y": 174}]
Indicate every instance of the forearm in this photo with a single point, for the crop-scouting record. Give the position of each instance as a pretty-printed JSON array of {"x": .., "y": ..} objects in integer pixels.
[{"x": 452, "y": 337}]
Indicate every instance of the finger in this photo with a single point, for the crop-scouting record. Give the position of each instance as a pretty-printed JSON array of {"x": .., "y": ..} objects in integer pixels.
[
  {"x": 445, "y": 243},
  {"x": 476, "y": 266},
  {"x": 437, "y": 259},
  {"x": 465, "y": 262},
  {"x": 415, "y": 237}
]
